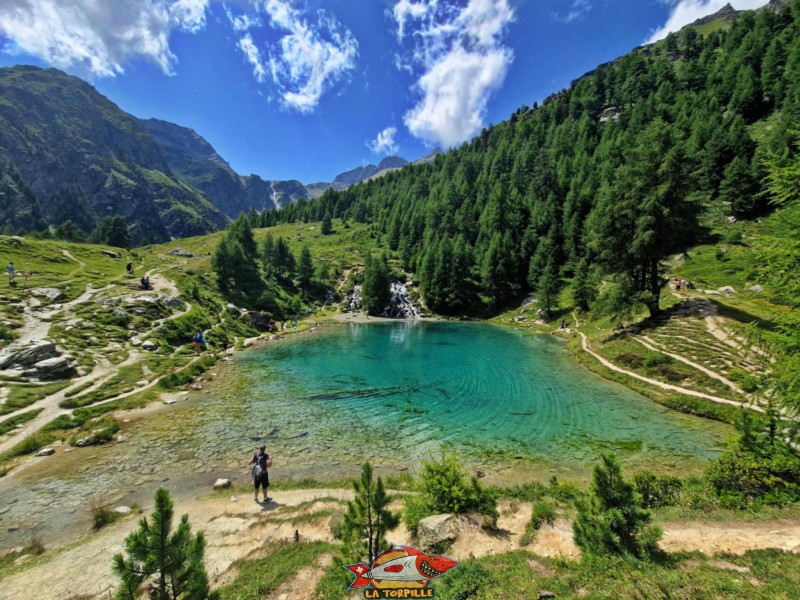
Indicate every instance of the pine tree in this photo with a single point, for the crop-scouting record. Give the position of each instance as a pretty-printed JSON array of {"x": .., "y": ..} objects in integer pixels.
[
  {"x": 171, "y": 561},
  {"x": 305, "y": 268},
  {"x": 268, "y": 253},
  {"x": 327, "y": 224},
  {"x": 375, "y": 290},
  {"x": 739, "y": 186},
  {"x": 645, "y": 216},
  {"x": 367, "y": 518},
  {"x": 584, "y": 291},
  {"x": 612, "y": 520},
  {"x": 70, "y": 232},
  {"x": 234, "y": 263},
  {"x": 242, "y": 232},
  {"x": 548, "y": 286},
  {"x": 283, "y": 259},
  {"x": 112, "y": 231}
]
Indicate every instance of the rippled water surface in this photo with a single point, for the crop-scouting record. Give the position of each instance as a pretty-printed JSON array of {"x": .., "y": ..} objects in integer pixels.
[
  {"x": 511, "y": 404},
  {"x": 411, "y": 386}
]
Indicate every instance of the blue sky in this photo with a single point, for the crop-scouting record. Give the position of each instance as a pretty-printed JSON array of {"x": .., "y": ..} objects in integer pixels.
[{"x": 305, "y": 89}]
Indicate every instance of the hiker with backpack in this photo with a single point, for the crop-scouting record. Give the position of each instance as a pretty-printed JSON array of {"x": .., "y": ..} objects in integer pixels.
[
  {"x": 261, "y": 462},
  {"x": 199, "y": 343}
]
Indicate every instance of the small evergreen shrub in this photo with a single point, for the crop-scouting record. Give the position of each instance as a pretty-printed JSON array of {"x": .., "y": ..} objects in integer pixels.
[
  {"x": 468, "y": 580},
  {"x": 612, "y": 519},
  {"x": 657, "y": 490},
  {"x": 444, "y": 487},
  {"x": 760, "y": 467}
]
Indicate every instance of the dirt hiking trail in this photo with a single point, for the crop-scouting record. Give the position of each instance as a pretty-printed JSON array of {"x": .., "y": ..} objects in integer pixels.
[{"x": 235, "y": 529}]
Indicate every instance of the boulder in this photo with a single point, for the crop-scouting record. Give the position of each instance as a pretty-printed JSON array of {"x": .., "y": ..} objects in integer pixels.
[
  {"x": 712, "y": 293},
  {"x": 109, "y": 253},
  {"x": 727, "y": 290},
  {"x": 142, "y": 383},
  {"x": 545, "y": 595},
  {"x": 50, "y": 368},
  {"x": 180, "y": 252},
  {"x": 755, "y": 288},
  {"x": 436, "y": 529},
  {"x": 135, "y": 341},
  {"x": 260, "y": 322},
  {"x": 123, "y": 510},
  {"x": 52, "y": 294},
  {"x": 30, "y": 355},
  {"x": 222, "y": 484},
  {"x": 21, "y": 559},
  {"x": 149, "y": 345},
  {"x": 46, "y": 452}
]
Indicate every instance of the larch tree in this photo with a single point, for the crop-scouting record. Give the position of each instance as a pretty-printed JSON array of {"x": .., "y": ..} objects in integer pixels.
[
  {"x": 368, "y": 518},
  {"x": 169, "y": 562}
]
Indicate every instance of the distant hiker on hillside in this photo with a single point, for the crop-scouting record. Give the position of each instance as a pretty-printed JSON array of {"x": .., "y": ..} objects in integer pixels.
[
  {"x": 11, "y": 273},
  {"x": 224, "y": 343},
  {"x": 261, "y": 462},
  {"x": 198, "y": 342},
  {"x": 129, "y": 268}
]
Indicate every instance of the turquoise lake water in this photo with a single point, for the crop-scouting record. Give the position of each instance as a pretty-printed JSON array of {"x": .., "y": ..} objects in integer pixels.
[
  {"x": 513, "y": 405},
  {"x": 400, "y": 390}
]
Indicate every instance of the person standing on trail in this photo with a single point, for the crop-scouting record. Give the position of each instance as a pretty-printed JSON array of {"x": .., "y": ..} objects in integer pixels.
[
  {"x": 129, "y": 268},
  {"x": 224, "y": 343},
  {"x": 11, "y": 273},
  {"x": 198, "y": 342},
  {"x": 261, "y": 462}
]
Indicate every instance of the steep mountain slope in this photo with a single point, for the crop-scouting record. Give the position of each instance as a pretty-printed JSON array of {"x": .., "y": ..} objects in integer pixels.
[
  {"x": 191, "y": 157},
  {"x": 606, "y": 180},
  {"x": 82, "y": 158}
]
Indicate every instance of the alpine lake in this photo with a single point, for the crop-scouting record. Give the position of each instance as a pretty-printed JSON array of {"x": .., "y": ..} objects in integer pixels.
[{"x": 514, "y": 405}]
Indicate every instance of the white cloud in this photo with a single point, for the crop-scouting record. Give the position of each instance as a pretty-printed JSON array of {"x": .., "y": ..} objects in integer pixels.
[
  {"x": 384, "y": 143},
  {"x": 314, "y": 52},
  {"x": 576, "y": 10},
  {"x": 684, "y": 12},
  {"x": 253, "y": 56},
  {"x": 457, "y": 52},
  {"x": 190, "y": 15},
  {"x": 99, "y": 36}
]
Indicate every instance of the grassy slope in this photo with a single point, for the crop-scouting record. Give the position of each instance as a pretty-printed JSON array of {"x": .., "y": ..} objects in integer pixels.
[{"x": 72, "y": 267}]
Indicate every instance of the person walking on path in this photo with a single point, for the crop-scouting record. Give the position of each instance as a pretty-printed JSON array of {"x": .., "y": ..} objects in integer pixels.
[
  {"x": 224, "y": 343},
  {"x": 260, "y": 463},
  {"x": 11, "y": 273}
]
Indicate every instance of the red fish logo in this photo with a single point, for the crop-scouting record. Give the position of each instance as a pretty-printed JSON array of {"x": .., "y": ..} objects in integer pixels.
[{"x": 400, "y": 567}]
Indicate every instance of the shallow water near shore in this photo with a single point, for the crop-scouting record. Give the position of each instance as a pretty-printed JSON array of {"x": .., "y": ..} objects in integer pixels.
[{"x": 514, "y": 405}]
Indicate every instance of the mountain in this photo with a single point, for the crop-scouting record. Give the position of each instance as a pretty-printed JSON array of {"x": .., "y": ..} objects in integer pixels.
[
  {"x": 191, "y": 157},
  {"x": 360, "y": 174},
  {"x": 69, "y": 153},
  {"x": 726, "y": 13}
]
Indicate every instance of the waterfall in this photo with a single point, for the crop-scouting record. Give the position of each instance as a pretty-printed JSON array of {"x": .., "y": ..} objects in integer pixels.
[{"x": 400, "y": 305}]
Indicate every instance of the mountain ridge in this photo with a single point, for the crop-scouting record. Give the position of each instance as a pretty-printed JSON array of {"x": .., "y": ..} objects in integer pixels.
[{"x": 70, "y": 153}]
